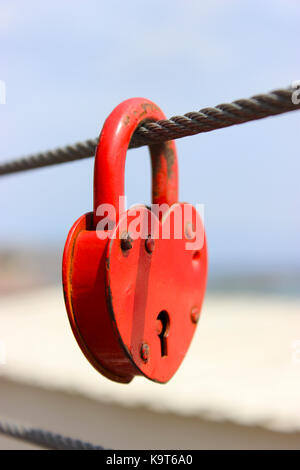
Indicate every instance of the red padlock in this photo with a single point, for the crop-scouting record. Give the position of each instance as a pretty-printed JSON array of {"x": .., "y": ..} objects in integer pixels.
[{"x": 134, "y": 297}]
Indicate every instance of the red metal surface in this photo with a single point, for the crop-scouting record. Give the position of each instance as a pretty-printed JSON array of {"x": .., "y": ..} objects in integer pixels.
[
  {"x": 133, "y": 304},
  {"x": 111, "y": 155}
]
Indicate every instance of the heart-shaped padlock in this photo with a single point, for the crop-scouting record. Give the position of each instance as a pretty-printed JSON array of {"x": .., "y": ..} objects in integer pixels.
[{"x": 134, "y": 281}]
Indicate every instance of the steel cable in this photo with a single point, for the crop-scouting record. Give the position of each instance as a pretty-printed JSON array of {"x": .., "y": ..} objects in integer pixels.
[
  {"x": 46, "y": 439},
  {"x": 205, "y": 120}
]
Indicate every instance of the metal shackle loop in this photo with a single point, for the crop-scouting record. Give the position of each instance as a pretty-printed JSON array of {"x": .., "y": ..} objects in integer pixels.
[{"x": 109, "y": 170}]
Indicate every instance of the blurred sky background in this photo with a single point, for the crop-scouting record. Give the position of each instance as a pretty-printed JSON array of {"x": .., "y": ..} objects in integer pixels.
[{"x": 67, "y": 64}]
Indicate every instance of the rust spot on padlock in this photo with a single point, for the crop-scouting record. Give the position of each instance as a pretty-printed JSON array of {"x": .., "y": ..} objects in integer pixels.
[
  {"x": 148, "y": 108},
  {"x": 126, "y": 120},
  {"x": 149, "y": 244},
  {"x": 195, "y": 314},
  {"x": 130, "y": 302},
  {"x": 145, "y": 352}
]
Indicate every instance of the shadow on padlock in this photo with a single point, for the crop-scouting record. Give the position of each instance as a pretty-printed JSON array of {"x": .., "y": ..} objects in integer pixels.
[{"x": 134, "y": 281}]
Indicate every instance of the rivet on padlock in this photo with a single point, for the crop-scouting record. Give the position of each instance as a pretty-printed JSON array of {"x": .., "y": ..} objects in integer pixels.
[{"x": 134, "y": 301}]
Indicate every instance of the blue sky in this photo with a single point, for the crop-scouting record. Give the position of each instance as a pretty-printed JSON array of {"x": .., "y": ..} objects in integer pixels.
[{"x": 67, "y": 64}]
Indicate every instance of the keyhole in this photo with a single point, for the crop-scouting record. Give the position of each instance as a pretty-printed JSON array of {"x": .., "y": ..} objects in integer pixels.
[{"x": 162, "y": 328}]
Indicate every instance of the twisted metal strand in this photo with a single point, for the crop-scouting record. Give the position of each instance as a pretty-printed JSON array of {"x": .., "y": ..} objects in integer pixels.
[
  {"x": 207, "y": 119},
  {"x": 45, "y": 439},
  {"x": 66, "y": 154},
  {"x": 223, "y": 115}
]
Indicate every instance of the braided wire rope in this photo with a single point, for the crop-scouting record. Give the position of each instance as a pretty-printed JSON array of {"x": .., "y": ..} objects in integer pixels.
[
  {"x": 46, "y": 439},
  {"x": 206, "y": 120}
]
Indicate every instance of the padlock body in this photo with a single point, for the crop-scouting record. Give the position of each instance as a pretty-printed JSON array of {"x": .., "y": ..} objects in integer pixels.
[{"x": 117, "y": 299}]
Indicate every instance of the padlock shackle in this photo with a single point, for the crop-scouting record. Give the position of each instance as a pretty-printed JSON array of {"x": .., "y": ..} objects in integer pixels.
[{"x": 109, "y": 170}]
